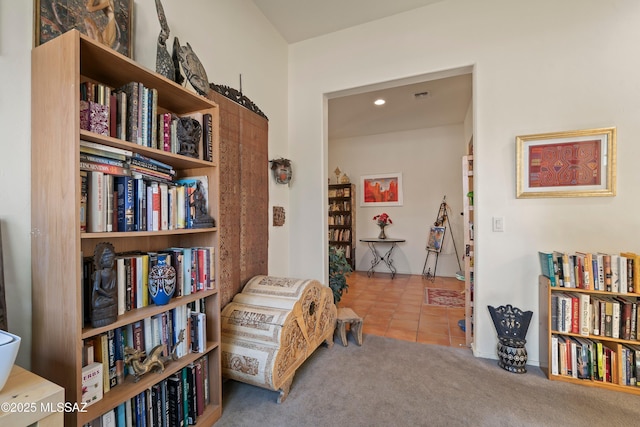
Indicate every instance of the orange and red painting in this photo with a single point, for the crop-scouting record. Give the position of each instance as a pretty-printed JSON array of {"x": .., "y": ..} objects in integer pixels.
[{"x": 381, "y": 190}]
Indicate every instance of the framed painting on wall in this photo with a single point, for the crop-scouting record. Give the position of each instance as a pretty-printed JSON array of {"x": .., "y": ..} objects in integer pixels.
[
  {"x": 107, "y": 21},
  {"x": 381, "y": 190},
  {"x": 579, "y": 163}
]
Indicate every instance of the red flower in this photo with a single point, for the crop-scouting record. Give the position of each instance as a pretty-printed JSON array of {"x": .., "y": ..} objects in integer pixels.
[{"x": 382, "y": 219}]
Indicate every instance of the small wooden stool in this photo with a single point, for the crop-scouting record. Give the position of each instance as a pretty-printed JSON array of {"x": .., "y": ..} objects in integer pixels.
[{"x": 348, "y": 316}]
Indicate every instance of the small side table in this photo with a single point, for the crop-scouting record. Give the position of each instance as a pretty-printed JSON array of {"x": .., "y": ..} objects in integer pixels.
[
  {"x": 32, "y": 400},
  {"x": 347, "y": 316},
  {"x": 386, "y": 257}
]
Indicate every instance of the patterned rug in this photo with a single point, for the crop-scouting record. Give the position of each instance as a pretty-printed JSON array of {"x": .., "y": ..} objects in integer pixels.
[{"x": 444, "y": 297}]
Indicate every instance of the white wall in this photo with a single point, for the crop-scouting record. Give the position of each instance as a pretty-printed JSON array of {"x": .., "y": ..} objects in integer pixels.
[
  {"x": 538, "y": 67},
  {"x": 429, "y": 160},
  {"x": 230, "y": 37}
]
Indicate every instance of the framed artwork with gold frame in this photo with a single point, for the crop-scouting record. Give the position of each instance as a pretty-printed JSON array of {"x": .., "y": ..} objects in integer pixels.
[
  {"x": 108, "y": 21},
  {"x": 580, "y": 163}
]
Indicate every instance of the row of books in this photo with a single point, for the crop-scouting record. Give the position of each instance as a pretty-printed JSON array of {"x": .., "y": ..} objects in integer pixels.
[
  {"x": 123, "y": 203},
  {"x": 179, "y": 331},
  {"x": 595, "y": 315},
  {"x": 340, "y": 192},
  {"x": 618, "y": 273},
  {"x": 340, "y": 235},
  {"x": 339, "y": 219},
  {"x": 587, "y": 359},
  {"x": 177, "y": 401},
  {"x": 194, "y": 266},
  {"x": 340, "y": 206},
  {"x": 131, "y": 113}
]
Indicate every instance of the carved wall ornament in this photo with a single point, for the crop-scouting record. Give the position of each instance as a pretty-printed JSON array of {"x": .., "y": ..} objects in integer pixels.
[
  {"x": 237, "y": 96},
  {"x": 281, "y": 170},
  {"x": 278, "y": 216}
]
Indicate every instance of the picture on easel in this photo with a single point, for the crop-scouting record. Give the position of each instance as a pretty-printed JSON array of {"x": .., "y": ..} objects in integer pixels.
[{"x": 436, "y": 238}]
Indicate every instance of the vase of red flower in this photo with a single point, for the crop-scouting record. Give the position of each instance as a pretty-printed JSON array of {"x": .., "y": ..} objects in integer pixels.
[{"x": 382, "y": 220}]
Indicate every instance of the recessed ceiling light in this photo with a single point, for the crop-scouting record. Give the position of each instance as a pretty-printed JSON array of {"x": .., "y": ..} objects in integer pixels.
[{"x": 379, "y": 101}]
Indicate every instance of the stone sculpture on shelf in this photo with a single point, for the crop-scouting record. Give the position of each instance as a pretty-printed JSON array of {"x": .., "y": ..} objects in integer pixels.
[
  {"x": 201, "y": 219},
  {"x": 164, "y": 62},
  {"x": 189, "y": 134},
  {"x": 104, "y": 295}
]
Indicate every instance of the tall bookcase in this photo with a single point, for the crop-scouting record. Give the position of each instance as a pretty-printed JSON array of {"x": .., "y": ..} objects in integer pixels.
[
  {"x": 469, "y": 247},
  {"x": 58, "y": 68},
  {"x": 342, "y": 220},
  {"x": 546, "y": 336}
]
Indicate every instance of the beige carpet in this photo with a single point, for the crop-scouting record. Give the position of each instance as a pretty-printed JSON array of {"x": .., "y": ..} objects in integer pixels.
[{"x": 388, "y": 382}]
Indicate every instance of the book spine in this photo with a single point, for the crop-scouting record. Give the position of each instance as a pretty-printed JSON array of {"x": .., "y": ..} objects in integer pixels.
[
  {"x": 96, "y": 203},
  {"x": 104, "y": 168},
  {"x": 207, "y": 119}
]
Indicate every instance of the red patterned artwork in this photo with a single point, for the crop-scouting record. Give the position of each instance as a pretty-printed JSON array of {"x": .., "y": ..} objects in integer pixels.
[{"x": 565, "y": 164}]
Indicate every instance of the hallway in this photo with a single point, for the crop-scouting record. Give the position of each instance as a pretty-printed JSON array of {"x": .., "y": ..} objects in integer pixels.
[{"x": 395, "y": 308}]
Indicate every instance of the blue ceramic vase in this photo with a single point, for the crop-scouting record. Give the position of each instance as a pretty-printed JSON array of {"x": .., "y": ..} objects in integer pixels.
[{"x": 162, "y": 282}]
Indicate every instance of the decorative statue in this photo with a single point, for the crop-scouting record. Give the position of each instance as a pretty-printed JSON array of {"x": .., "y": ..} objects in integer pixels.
[
  {"x": 164, "y": 62},
  {"x": 193, "y": 68},
  {"x": 104, "y": 295},
  {"x": 202, "y": 219},
  {"x": 155, "y": 360},
  {"x": 189, "y": 134},
  {"x": 176, "y": 61}
]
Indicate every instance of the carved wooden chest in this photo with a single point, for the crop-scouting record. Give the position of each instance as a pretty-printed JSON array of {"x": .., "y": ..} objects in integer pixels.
[{"x": 271, "y": 327}]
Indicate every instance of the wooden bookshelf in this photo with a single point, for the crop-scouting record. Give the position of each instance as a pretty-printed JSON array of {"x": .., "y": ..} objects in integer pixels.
[
  {"x": 342, "y": 220},
  {"x": 546, "y": 339},
  {"x": 58, "y": 68},
  {"x": 469, "y": 244}
]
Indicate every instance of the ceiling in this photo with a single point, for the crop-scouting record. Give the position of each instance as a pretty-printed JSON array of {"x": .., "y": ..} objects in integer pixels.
[
  {"x": 299, "y": 20},
  {"x": 353, "y": 113}
]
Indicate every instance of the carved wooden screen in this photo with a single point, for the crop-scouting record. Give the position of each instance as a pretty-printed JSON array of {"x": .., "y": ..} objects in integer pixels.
[{"x": 244, "y": 196}]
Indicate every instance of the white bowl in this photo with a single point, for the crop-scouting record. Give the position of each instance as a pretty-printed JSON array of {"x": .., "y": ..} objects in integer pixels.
[{"x": 9, "y": 345}]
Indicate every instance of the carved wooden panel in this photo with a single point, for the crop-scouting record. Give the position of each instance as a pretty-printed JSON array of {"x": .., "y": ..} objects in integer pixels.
[{"x": 244, "y": 196}]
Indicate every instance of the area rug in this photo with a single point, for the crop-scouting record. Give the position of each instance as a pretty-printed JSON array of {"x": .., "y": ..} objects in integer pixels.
[{"x": 443, "y": 297}]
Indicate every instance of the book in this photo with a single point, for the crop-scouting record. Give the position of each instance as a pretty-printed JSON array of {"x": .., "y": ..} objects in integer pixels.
[
  {"x": 131, "y": 91},
  {"x": 585, "y": 314},
  {"x": 104, "y": 168},
  {"x": 92, "y": 379},
  {"x": 125, "y": 203},
  {"x": 104, "y": 148},
  {"x": 96, "y": 210},
  {"x": 207, "y": 130},
  {"x": 547, "y": 266},
  {"x": 175, "y": 400},
  {"x": 101, "y": 355},
  {"x": 606, "y": 259},
  {"x": 84, "y": 186},
  {"x": 190, "y": 204}
]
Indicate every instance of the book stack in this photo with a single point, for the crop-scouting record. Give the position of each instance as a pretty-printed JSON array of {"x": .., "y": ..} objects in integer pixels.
[
  {"x": 175, "y": 401},
  {"x": 618, "y": 273}
]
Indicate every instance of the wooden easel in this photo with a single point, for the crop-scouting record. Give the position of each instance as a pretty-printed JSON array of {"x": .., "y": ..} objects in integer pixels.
[{"x": 441, "y": 220}]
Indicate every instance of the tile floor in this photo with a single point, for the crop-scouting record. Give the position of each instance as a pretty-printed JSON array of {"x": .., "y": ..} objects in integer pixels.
[{"x": 395, "y": 308}]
